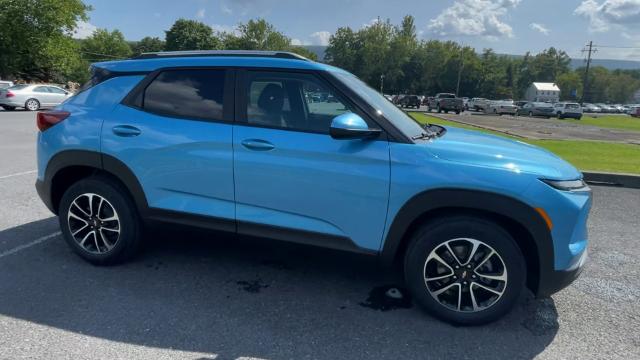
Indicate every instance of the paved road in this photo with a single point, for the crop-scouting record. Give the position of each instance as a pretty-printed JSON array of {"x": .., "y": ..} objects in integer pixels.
[
  {"x": 203, "y": 296},
  {"x": 541, "y": 128}
]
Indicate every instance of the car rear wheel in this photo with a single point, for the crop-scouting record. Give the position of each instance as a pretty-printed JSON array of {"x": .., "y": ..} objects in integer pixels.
[
  {"x": 98, "y": 220},
  {"x": 464, "y": 270},
  {"x": 439, "y": 110},
  {"x": 32, "y": 105}
]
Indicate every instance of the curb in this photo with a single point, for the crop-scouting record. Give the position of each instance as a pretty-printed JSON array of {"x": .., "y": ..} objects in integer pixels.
[{"x": 612, "y": 179}]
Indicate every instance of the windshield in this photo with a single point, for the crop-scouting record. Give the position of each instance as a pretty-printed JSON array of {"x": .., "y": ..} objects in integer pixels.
[
  {"x": 397, "y": 117},
  {"x": 447, "y": 96}
]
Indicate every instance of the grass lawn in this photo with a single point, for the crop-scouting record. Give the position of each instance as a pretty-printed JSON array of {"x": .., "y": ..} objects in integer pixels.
[
  {"x": 619, "y": 122},
  {"x": 585, "y": 155}
]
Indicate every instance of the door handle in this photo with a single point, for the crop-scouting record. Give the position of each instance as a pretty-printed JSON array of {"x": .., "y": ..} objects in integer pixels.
[
  {"x": 257, "y": 144},
  {"x": 126, "y": 130}
]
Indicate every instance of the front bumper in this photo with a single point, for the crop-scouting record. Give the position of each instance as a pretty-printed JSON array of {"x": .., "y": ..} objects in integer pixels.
[{"x": 556, "y": 280}]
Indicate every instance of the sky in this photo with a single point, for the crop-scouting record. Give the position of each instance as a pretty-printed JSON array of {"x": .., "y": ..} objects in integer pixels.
[{"x": 507, "y": 26}]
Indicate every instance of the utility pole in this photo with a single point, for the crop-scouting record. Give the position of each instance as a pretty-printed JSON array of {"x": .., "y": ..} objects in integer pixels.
[
  {"x": 460, "y": 69},
  {"x": 381, "y": 84},
  {"x": 585, "y": 83}
]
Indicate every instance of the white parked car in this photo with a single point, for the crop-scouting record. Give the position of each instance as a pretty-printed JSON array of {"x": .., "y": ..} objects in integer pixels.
[
  {"x": 32, "y": 97},
  {"x": 500, "y": 107},
  {"x": 477, "y": 104},
  {"x": 5, "y": 84},
  {"x": 567, "y": 110}
]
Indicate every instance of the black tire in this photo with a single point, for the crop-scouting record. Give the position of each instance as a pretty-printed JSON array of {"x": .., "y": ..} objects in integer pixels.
[
  {"x": 457, "y": 112},
  {"x": 34, "y": 107},
  {"x": 435, "y": 233},
  {"x": 446, "y": 111},
  {"x": 439, "y": 110},
  {"x": 559, "y": 115},
  {"x": 129, "y": 236},
  {"x": 8, "y": 108}
]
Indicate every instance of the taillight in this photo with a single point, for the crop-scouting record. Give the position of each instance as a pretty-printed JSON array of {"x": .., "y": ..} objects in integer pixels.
[
  {"x": 47, "y": 119},
  {"x": 10, "y": 94}
]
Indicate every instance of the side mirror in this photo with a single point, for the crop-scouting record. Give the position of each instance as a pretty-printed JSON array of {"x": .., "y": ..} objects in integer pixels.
[{"x": 351, "y": 126}]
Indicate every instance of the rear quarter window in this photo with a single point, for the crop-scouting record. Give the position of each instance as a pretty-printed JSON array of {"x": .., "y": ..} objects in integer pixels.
[{"x": 189, "y": 93}]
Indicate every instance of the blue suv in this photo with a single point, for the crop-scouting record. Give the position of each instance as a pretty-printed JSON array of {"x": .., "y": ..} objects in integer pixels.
[{"x": 272, "y": 145}]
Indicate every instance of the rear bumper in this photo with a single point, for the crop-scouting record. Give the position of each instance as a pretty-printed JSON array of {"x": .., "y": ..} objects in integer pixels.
[{"x": 44, "y": 192}]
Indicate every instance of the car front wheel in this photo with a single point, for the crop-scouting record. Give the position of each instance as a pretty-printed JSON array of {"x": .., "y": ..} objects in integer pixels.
[
  {"x": 99, "y": 221},
  {"x": 464, "y": 270}
]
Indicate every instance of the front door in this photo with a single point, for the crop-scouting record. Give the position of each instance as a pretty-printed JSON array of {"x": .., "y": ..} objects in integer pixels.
[{"x": 292, "y": 179}]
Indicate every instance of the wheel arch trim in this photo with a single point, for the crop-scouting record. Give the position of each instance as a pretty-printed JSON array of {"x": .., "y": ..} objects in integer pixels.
[
  {"x": 92, "y": 159},
  {"x": 475, "y": 201}
]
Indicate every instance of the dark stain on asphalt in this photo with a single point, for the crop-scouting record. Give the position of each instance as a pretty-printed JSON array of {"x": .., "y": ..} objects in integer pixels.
[
  {"x": 252, "y": 286},
  {"x": 156, "y": 265},
  {"x": 379, "y": 299}
]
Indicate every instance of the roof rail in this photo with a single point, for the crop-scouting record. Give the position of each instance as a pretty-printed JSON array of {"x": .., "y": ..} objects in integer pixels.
[{"x": 213, "y": 53}]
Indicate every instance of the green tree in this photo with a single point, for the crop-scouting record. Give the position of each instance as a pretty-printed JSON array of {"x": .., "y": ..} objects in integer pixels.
[
  {"x": 148, "y": 44},
  {"x": 568, "y": 82},
  {"x": 35, "y": 38},
  {"x": 103, "y": 45},
  {"x": 191, "y": 35},
  {"x": 343, "y": 49},
  {"x": 258, "y": 34}
]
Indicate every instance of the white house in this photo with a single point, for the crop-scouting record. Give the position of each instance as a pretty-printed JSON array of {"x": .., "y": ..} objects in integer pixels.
[{"x": 543, "y": 92}]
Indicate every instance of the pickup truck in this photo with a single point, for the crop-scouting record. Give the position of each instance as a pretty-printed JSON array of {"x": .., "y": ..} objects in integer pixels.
[{"x": 446, "y": 102}]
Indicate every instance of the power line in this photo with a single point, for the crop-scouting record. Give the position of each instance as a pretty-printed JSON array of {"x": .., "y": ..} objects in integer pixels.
[{"x": 617, "y": 47}]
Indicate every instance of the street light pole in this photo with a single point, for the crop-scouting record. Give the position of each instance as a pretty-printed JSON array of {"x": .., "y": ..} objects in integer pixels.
[
  {"x": 381, "y": 84},
  {"x": 460, "y": 70}
]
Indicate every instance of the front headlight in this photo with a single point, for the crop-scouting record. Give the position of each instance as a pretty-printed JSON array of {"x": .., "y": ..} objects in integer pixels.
[{"x": 568, "y": 185}]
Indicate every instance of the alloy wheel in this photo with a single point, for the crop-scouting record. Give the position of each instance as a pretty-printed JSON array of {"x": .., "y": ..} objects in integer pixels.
[
  {"x": 465, "y": 275},
  {"x": 93, "y": 223},
  {"x": 32, "y": 105}
]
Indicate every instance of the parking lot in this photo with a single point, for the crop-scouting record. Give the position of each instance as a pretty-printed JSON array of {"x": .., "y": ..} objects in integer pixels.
[
  {"x": 540, "y": 128},
  {"x": 203, "y": 296}
]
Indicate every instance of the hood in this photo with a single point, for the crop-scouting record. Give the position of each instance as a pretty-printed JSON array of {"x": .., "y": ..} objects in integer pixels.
[{"x": 476, "y": 148}]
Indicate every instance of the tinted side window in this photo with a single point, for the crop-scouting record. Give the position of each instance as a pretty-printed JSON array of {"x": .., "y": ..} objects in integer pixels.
[
  {"x": 189, "y": 93},
  {"x": 293, "y": 101},
  {"x": 56, "y": 90},
  {"x": 41, "y": 89}
]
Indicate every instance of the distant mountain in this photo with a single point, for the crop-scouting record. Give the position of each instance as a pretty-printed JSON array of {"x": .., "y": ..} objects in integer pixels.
[
  {"x": 575, "y": 63},
  {"x": 607, "y": 63}
]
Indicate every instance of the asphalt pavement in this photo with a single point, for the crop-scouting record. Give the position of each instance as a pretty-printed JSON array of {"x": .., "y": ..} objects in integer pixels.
[{"x": 195, "y": 295}]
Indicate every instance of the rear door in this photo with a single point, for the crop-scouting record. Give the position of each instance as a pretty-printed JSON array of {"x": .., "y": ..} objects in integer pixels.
[
  {"x": 57, "y": 95},
  {"x": 43, "y": 95},
  {"x": 293, "y": 180},
  {"x": 174, "y": 133}
]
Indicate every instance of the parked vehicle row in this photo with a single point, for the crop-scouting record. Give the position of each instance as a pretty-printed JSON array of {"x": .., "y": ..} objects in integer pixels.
[{"x": 32, "y": 97}]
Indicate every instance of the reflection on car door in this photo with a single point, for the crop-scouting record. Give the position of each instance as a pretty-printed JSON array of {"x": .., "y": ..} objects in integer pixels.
[{"x": 292, "y": 177}]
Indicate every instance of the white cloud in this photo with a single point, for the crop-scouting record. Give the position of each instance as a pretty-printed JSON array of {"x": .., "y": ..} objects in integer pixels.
[
  {"x": 320, "y": 38},
  {"x": 296, "y": 42},
  {"x": 201, "y": 13},
  {"x": 610, "y": 13},
  {"x": 84, "y": 30},
  {"x": 474, "y": 18},
  {"x": 539, "y": 28},
  {"x": 225, "y": 9}
]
